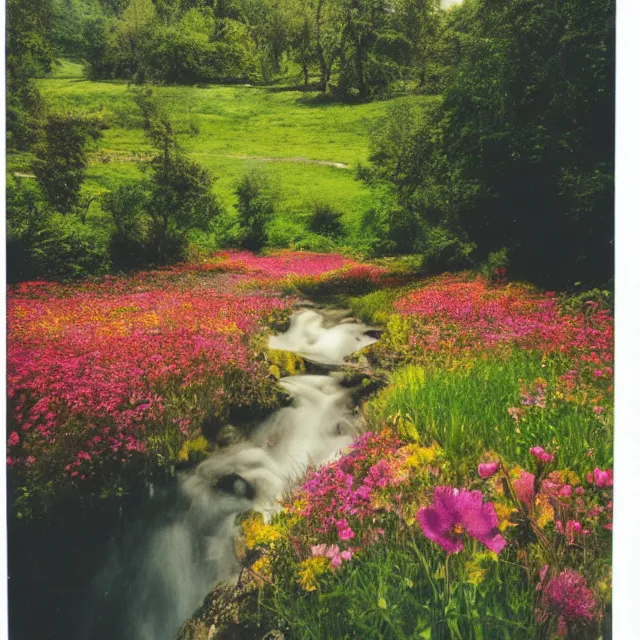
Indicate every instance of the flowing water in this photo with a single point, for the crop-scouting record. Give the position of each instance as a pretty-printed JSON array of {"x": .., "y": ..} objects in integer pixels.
[{"x": 158, "y": 569}]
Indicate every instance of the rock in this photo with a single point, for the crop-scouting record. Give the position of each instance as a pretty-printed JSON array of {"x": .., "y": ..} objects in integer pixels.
[
  {"x": 236, "y": 485},
  {"x": 228, "y": 435}
]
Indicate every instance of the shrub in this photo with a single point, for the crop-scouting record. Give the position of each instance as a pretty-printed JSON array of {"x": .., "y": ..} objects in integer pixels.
[
  {"x": 257, "y": 200},
  {"x": 495, "y": 269},
  {"x": 446, "y": 251},
  {"x": 65, "y": 248},
  {"x": 326, "y": 220}
]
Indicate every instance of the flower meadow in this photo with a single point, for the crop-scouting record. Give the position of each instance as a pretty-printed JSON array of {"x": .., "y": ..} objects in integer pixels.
[
  {"x": 479, "y": 503},
  {"x": 119, "y": 373}
]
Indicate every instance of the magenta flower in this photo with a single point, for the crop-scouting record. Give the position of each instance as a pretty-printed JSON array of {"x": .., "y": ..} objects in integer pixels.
[
  {"x": 344, "y": 530},
  {"x": 566, "y": 490},
  {"x": 455, "y": 511},
  {"x": 14, "y": 439},
  {"x": 568, "y": 596},
  {"x": 541, "y": 454},
  {"x": 603, "y": 478},
  {"x": 524, "y": 487},
  {"x": 487, "y": 469}
]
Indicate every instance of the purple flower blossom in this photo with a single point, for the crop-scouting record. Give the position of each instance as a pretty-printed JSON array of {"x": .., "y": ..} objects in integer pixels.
[
  {"x": 487, "y": 469},
  {"x": 455, "y": 511}
]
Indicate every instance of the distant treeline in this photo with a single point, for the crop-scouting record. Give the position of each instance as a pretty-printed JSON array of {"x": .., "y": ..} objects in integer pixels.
[
  {"x": 352, "y": 46},
  {"x": 511, "y": 165}
]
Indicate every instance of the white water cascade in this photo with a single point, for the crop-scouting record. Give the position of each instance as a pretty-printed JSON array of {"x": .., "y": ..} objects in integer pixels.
[{"x": 177, "y": 559}]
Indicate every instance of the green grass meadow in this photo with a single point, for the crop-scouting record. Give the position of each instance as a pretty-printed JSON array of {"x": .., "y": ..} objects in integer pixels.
[{"x": 231, "y": 130}]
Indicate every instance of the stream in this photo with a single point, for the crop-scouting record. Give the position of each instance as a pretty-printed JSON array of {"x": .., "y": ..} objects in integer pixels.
[{"x": 141, "y": 577}]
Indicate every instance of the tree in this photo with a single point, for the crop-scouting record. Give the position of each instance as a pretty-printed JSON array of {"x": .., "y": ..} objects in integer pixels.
[
  {"x": 257, "y": 200},
  {"x": 61, "y": 158},
  {"x": 30, "y": 54},
  {"x": 177, "y": 194},
  {"x": 519, "y": 152},
  {"x": 372, "y": 52}
]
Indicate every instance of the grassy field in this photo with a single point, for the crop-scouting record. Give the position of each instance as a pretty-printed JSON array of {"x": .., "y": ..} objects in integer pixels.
[{"x": 293, "y": 135}]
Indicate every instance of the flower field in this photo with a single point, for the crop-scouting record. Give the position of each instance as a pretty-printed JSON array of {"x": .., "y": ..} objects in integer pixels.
[
  {"x": 479, "y": 504},
  {"x": 120, "y": 373}
]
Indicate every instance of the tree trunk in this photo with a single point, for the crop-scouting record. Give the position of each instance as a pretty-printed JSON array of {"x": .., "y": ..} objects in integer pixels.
[
  {"x": 363, "y": 89},
  {"x": 324, "y": 69}
]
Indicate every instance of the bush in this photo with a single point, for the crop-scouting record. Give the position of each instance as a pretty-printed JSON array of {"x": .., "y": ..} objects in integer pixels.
[
  {"x": 257, "y": 200},
  {"x": 391, "y": 230},
  {"x": 495, "y": 269},
  {"x": 64, "y": 248},
  {"x": 129, "y": 245},
  {"x": 446, "y": 251},
  {"x": 326, "y": 221}
]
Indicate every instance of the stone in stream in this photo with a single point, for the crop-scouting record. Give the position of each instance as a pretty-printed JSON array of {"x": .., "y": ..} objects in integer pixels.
[{"x": 228, "y": 435}]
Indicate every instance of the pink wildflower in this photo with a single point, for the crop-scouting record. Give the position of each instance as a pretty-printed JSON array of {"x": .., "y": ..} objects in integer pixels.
[
  {"x": 14, "y": 439},
  {"x": 568, "y": 595},
  {"x": 454, "y": 511},
  {"x": 333, "y": 553},
  {"x": 524, "y": 487},
  {"x": 570, "y": 530},
  {"x": 566, "y": 490},
  {"x": 597, "y": 373},
  {"x": 344, "y": 530},
  {"x": 487, "y": 469},
  {"x": 603, "y": 478},
  {"x": 541, "y": 454}
]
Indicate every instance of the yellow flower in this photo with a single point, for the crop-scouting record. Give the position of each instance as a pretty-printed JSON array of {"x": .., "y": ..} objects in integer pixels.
[
  {"x": 263, "y": 567},
  {"x": 504, "y": 512},
  {"x": 310, "y": 570},
  {"x": 420, "y": 456},
  {"x": 544, "y": 511},
  {"x": 257, "y": 533}
]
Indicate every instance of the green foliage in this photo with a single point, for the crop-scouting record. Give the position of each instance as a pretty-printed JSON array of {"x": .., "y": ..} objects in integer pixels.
[
  {"x": 65, "y": 248},
  {"x": 154, "y": 43},
  {"x": 445, "y": 251},
  {"x": 45, "y": 244},
  {"x": 401, "y": 589},
  {"x": 61, "y": 158},
  {"x": 29, "y": 54},
  {"x": 511, "y": 158},
  {"x": 375, "y": 307},
  {"x": 257, "y": 199},
  {"x": 178, "y": 195},
  {"x": 465, "y": 410},
  {"x": 326, "y": 221},
  {"x": 372, "y": 52}
]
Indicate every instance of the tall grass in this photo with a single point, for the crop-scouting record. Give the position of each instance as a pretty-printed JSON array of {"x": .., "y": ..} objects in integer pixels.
[{"x": 465, "y": 409}]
